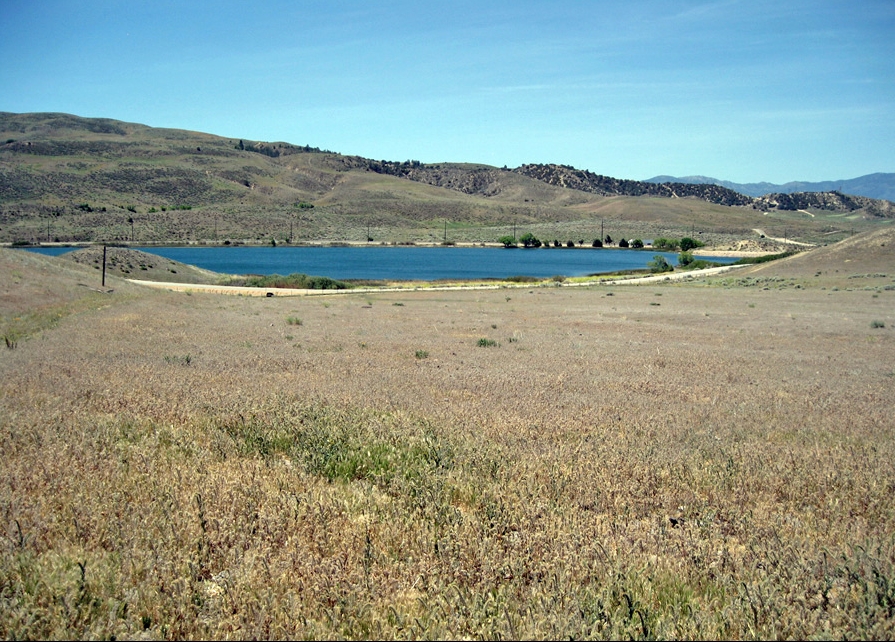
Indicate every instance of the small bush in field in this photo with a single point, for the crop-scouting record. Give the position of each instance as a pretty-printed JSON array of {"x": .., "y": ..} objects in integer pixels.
[
  {"x": 293, "y": 321},
  {"x": 877, "y": 324},
  {"x": 487, "y": 343}
]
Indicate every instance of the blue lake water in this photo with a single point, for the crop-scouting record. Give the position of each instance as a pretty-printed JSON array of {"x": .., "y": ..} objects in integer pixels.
[{"x": 410, "y": 263}]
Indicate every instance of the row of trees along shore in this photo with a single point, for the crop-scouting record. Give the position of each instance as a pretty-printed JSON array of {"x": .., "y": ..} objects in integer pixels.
[{"x": 664, "y": 244}]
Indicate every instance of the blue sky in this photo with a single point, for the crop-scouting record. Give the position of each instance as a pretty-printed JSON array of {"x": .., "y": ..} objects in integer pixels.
[{"x": 740, "y": 90}]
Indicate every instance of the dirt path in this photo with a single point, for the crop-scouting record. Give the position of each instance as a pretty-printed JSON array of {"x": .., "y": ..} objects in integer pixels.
[
  {"x": 672, "y": 276},
  {"x": 781, "y": 240},
  {"x": 233, "y": 290}
]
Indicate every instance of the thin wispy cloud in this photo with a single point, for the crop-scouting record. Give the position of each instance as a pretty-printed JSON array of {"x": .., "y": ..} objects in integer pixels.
[{"x": 656, "y": 87}]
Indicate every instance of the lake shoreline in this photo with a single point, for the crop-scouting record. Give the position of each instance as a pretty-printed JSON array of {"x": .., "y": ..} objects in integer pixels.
[{"x": 702, "y": 251}]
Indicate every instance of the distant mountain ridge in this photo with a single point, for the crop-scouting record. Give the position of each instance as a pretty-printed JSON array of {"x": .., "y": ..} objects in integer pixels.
[
  {"x": 879, "y": 185},
  {"x": 582, "y": 180}
]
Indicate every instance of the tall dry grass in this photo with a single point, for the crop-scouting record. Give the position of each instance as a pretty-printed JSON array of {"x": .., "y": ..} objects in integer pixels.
[{"x": 665, "y": 462}]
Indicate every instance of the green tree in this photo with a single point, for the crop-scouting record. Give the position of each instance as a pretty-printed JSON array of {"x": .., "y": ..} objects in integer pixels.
[
  {"x": 667, "y": 245},
  {"x": 637, "y": 243},
  {"x": 623, "y": 243},
  {"x": 508, "y": 241},
  {"x": 688, "y": 244},
  {"x": 685, "y": 258},
  {"x": 659, "y": 264},
  {"x": 529, "y": 240}
]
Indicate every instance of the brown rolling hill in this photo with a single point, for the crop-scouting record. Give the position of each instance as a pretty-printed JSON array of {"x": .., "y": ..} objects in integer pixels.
[
  {"x": 65, "y": 179},
  {"x": 863, "y": 260}
]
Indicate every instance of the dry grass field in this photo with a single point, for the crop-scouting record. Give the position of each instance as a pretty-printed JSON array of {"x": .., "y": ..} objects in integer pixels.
[{"x": 710, "y": 459}]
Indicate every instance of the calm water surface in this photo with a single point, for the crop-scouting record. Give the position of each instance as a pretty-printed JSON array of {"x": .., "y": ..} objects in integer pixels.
[{"x": 418, "y": 263}]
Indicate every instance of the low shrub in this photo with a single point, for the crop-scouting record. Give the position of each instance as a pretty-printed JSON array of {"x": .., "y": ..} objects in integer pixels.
[
  {"x": 521, "y": 279},
  {"x": 296, "y": 281},
  {"x": 749, "y": 260}
]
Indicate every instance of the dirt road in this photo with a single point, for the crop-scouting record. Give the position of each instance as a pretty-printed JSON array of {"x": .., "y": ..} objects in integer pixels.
[
  {"x": 781, "y": 240},
  {"x": 233, "y": 290}
]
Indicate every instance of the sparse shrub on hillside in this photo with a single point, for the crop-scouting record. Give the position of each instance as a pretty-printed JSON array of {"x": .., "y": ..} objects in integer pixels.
[{"x": 179, "y": 360}]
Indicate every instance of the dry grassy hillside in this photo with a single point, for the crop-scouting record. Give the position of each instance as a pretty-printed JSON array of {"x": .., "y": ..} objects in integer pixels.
[
  {"x": 134, "y": 264},
  {"x": 866, "y": 256},
  {"x": 694, "y": 460},
  {"x": 80, "y": 179}
]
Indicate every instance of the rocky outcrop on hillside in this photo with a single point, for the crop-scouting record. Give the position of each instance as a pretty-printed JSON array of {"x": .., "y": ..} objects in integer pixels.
[
  {"x": 585, "y": 181},
  {"x": 569, "y": 177},
  {"x": 482, "y": 181},
  {"x": 832, "y": 201}
]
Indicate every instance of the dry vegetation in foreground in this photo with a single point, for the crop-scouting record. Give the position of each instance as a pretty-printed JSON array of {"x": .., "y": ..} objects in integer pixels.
[{"x": 700, "y": 460}]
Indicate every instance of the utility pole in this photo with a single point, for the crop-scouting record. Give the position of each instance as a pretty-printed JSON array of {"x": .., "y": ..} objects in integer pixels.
[
  {"x": 104, "y": 265},
  {"x": 445, "y": 230}
]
